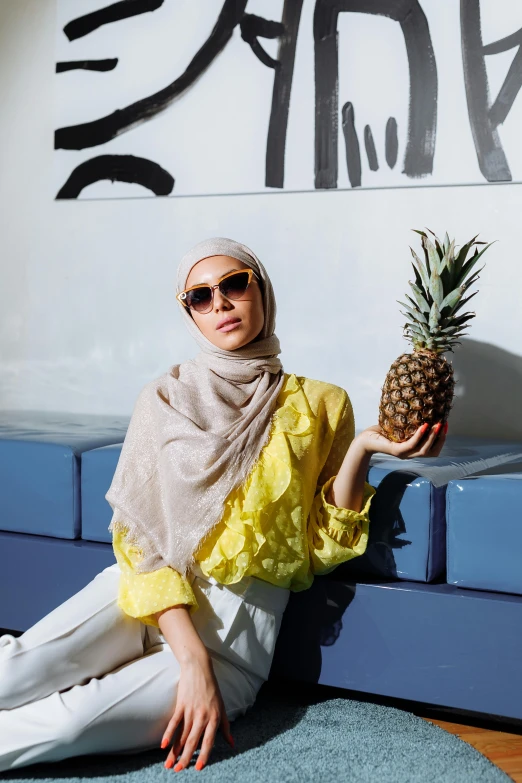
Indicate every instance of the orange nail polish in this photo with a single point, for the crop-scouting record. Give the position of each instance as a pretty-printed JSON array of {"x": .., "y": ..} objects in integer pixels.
[
  {"x": 199, "y": 764},
  {"x": 169, "y": 763},
  {"x": 178, "y": 767},
  {"x": 164, "y": 743}
]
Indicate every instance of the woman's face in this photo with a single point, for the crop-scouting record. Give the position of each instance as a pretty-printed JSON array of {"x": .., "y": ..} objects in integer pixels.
[{"x": 249, "y": 309}]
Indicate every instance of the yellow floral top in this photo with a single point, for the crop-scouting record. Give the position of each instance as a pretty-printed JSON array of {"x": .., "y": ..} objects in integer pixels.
[{"x": 277, "y": 525}]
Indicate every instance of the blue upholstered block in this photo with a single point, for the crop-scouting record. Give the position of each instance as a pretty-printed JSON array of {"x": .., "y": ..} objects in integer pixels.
[
  {"x": 98, "y": 466},
  {"x": 484, "y": 533},
  {"x": 38, "y": 573},
  {"x": 40, "y": 468},
  {"x": 407, "y": 537},
  {"x": 431, "y": 643}
]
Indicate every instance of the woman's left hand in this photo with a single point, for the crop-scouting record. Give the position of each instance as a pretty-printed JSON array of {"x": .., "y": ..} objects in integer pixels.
[{"x": 425, "y": 443}]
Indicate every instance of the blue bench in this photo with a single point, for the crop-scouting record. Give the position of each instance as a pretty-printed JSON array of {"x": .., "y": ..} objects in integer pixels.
[
  {"x": 45, "y": 558},
  {"x": 391, "y": 622}
]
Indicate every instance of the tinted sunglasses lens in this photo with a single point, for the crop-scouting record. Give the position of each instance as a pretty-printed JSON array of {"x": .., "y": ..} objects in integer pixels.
[
  {"x": 199, "y": 298},
  {"x": 234, "y": 286}
]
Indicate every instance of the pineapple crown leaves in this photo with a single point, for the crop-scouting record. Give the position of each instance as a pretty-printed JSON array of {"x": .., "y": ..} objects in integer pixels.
[{"x": 442, "y": 278}]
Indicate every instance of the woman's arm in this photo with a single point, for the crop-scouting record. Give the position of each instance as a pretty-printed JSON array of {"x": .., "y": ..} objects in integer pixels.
[
  {"x": 140, "y": 595},
  {"x": 348, "y": 488},
  {"x": 199, "y": 704},
  {"x": 165, "y": 599}
]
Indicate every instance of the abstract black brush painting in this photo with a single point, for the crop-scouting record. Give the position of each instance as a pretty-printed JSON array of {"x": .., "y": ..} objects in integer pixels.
[{"x": 201, "y": 97}]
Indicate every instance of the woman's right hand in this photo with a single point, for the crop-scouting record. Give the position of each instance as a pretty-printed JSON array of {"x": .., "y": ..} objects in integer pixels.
[{"x": 199, "y": 710}]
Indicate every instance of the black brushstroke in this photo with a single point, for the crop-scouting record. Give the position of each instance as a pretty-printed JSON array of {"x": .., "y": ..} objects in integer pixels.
[
  {"x": 509, "y": 90},
  {"x": 371, "y": 152},
  {"x": 283, "y": 77},
  {"x": 287, "y": 30},
  {"x": 392, "y": 142},
  {"x": 118, "y": 168},
  {"x": 87, "y": 65},
  {"x": 488, "y": 147},
  {"x": 124, "y": 9},
  {"x": 351, "y": 142},
  {"x": 422, "y": 121},
  {"x": 91, "y": 134},
  {"x": 503, "y": 44},
  {"x": 253, "y": 26}
]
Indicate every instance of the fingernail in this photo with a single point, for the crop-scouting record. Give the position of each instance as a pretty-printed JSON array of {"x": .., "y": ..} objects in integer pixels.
[
  {"x": 232, "y": 741},
  {"x": 437, "y": 427},
  {"x": 169, "y": 763},
  {"x": 164, "y": 743},
  {"x": 199, "y": 764},
  {"x": 178, "y": 767}
]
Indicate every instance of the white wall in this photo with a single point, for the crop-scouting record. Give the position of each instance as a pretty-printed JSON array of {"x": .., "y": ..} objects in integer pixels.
[{"x": 88, "y": 313}]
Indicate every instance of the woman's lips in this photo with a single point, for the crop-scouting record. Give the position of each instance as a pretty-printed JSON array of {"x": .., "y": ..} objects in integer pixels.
[{"x": 228, "y": 327}]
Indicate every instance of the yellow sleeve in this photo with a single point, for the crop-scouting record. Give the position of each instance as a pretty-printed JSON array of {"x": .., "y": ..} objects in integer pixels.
[
  {"x": 337, "y": 534},
  {"x": 142, "y": 595}
]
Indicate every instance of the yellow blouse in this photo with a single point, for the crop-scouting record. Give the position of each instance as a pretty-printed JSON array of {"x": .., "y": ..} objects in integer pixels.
[{"x": 277, "y": 525}]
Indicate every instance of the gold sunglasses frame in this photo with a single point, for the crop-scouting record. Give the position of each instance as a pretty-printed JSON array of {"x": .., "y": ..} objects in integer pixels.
[{"x": 183, "y": 294}]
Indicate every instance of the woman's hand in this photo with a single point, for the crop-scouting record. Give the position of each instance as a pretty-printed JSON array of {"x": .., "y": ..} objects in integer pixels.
[
  {"x": 348, "y": 487},
  {"x": 199, "y": 711},
  {"x": 425, "y": 443},
  {"x": 199, "y": 706}
]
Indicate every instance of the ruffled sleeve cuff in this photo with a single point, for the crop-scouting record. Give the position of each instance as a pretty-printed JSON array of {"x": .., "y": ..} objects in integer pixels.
[
  {"x": 336, "y": 518},
  {"x": 143, "y": 595},
  {"x": 337, "y": 534}
]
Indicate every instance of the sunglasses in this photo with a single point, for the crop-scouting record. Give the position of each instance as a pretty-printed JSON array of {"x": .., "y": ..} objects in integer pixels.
[{"x": 201, "y": 297}]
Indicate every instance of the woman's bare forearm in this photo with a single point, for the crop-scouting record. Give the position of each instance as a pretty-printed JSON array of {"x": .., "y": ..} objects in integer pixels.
[
  {"x": 178, "y": 629},
  {"x": 347, "y": 491},
  {"x": 199, "y": 708}
]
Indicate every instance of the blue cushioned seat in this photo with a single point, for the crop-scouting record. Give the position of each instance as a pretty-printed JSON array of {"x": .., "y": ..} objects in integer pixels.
[
  {"x": 98, "y": 466},
  {"x": 40, "y": 468},
  {"x": 484, "y": 532}
]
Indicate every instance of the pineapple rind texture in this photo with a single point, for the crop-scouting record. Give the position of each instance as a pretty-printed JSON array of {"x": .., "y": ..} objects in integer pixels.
[{"x": 419, "y": 387}]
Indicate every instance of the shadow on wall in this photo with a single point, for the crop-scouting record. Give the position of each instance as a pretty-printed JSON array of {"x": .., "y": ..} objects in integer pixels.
[{"x": 488, "y": 394}]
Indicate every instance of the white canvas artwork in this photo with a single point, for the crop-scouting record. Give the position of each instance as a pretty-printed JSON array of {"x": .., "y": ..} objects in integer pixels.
[{"x": 200, "y": 97}]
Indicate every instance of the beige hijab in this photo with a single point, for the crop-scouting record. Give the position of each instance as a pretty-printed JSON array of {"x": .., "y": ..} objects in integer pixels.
[{"x": 196, "y": 432}]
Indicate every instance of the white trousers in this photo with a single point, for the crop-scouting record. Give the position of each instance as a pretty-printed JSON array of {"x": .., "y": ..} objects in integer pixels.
[{"x": 87, "y": 678}]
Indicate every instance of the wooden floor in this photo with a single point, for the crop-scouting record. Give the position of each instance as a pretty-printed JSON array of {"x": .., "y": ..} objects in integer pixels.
[{"x": 503, "y": 748}]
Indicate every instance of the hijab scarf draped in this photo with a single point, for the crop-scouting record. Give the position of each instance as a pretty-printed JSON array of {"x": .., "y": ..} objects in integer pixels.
[{"x": 196, "y": 432}]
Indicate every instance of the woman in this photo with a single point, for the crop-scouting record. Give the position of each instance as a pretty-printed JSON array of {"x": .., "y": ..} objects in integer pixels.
[{"x": 237, "y": 483}]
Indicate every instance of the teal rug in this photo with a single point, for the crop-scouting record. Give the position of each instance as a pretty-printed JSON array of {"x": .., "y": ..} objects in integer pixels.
[{"x": 291, "y": 738}]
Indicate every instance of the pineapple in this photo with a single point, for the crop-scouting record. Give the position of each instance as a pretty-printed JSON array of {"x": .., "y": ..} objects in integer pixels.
[{"x": 419, "y": 386}]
